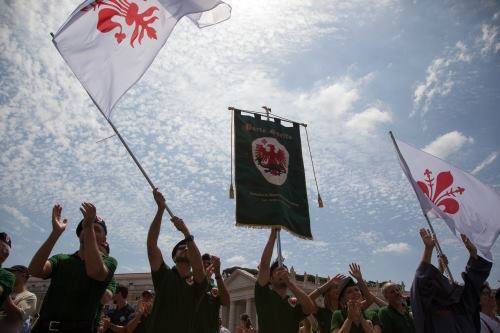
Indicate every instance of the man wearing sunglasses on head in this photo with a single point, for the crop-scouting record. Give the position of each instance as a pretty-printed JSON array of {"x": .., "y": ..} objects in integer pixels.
[{"x": 179, "y": 288}]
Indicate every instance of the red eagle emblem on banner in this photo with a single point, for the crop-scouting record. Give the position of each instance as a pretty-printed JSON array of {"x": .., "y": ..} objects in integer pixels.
[
  {"x": 441, "y": 192},
  {"x": 271, "y": 158},
  {"x": 129, "y": 12}
]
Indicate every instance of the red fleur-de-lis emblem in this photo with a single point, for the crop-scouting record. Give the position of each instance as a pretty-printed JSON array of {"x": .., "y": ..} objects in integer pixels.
[
  {"x": 129, "y": 11},
  {"x": 440, "y": 190}
]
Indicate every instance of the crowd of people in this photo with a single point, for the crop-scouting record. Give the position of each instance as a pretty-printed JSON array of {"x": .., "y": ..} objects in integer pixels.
[{"x": 188, "y": 295}]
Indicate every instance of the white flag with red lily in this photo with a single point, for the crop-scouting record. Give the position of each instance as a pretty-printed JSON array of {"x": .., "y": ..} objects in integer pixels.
[
  {"x": 466, "y": 205},
  {"x": 109, "y": 44}
]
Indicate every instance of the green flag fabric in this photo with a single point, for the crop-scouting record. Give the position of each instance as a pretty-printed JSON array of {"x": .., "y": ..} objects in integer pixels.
[{"x": 270, "y": 180}]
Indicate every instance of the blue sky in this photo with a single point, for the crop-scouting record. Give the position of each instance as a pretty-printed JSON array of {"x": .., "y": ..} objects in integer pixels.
[{"x": 353, "y": 70}]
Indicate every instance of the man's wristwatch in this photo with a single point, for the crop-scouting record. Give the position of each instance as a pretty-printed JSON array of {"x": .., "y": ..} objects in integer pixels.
[{"x": 189, "y": 238}]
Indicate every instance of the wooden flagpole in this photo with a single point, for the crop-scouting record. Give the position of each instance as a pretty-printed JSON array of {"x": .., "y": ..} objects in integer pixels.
[
  {"x": 438, "y": 246},
  {"x": 132, "y": 155}
]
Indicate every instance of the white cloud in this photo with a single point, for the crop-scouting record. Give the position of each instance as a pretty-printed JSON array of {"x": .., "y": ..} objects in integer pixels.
[
  {"x": 447, "y": 144},
  {"x": 489, "y": 39},
  {"x": 366, "y": 121},
  {"x": 487, "y": 161},
  {"x": 440, "y": 79},
  {"x": 394, "y": 248},
  {"x": 19, "y": 216},
  {"x": 236, "y": 260}
]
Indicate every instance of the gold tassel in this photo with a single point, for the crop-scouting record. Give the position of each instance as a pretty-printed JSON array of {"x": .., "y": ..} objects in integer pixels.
[
  {"x": 231, "y": 191},
  {"x": 320, "y": 202}
]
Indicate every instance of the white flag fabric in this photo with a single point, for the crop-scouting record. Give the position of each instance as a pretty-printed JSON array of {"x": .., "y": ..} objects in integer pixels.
[
  {"x": 109, "y": 44},
  {"x": 466, "y": 205}
]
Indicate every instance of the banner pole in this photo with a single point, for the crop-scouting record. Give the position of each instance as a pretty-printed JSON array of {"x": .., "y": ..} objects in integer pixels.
[
  {"x": 438, "y": 246},
  {"x": 133, "y": 156},
  {"x": 278, "y": 247}
]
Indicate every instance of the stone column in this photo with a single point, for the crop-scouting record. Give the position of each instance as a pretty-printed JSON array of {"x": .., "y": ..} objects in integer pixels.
[
  {"x": 232, "y": 308},
  {"x": 248, "y": 307}
]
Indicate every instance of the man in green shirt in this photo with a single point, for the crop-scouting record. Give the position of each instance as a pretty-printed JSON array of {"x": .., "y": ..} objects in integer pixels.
[
  {"x": 178, "y": 296},
  {"x": 78, "y": 280},
  {"x": 277, "y": 312},
  {"x": 351, "y": 318},
  {"x": 207, "y": 318},
  {"x": 7, "y": 279},
  {"x": 395, "y": 317}
]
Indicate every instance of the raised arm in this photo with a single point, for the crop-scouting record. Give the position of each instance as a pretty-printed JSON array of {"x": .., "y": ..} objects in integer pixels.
[
  {"x": 355, "y": 272},
  {"x": 39, "y": 266},
  {"x": 154, "y": 254},
  {"x": 429, "y": 244},
  {"x": 265, "y": 261},
  {"x": 223, "y": 293},
  {"x": 193, "y": 252},
  {"x": 335, "y": 281},
  {"x": 94, "y": 266}
]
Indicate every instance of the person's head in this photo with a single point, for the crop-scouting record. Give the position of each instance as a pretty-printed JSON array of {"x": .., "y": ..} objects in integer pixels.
[
  {"x": 5, "y": 245},
  {"x": 207, "y": 260},
  {"x": 148, "y": 295},
  {"x": 349, "y": 291},
  {"x": 245, "y": 320},
  {"x": 120, "y": 294},
  {"x": 487, "y": 302},
  {"x": 275, "y": 271},
  {"x": 331, "y": 296},
  {"x": 392, "y": 293},
  {"x": 180, "y": 258},
  {"x": 21, "y": 272},
  {"x": 100, "y": 231}
]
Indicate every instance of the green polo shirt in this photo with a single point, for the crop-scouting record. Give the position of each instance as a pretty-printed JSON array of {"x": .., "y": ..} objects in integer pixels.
[
  {"x": 175, "y": 302},
  {"x": 394, "y": 322},
  {"x": 72, "y": 295},
  {"x": 324, "y": 318},
  {"x": 207, "y": 316},
  {"x": 7, "y": 280},
  {"x": 340, "y": 316},
  {"x": 276, "y": 314}
]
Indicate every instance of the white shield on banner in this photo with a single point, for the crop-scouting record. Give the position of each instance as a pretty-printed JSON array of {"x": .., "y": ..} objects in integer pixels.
[{"x": 271, "y": 158}]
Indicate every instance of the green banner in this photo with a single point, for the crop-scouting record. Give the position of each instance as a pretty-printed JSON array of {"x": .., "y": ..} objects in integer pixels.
[{"x": 270, "y": 180}]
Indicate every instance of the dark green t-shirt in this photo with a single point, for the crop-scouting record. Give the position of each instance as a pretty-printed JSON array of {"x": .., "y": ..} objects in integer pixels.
[
  {"x": 175, "y": 302},
  {"x": 394, "y": 322},
  {"x": 324, "y": 318},
  {"x": 207, "y": 316},
  {"x": 7, "y": 280},
  {"x": 276, "y": 314},
  {"x": 340, "y": 316},
  {"x": 72, "y": 295}
]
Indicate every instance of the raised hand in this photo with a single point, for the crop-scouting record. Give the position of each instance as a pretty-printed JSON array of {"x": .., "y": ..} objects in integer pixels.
[
  {"x": 355, "y": 271},
  {"x": 179, "y": 225},
  {"x": 469, "y": 246},
  {"x": 354, "y": 311},
  {"x": 58, "y": 224},
  {"x": 89, "y": 214},
  {"x": 159, "y": 199},
  {"x": 427, "y": 238},
  {"x": 215, "y": 264}
]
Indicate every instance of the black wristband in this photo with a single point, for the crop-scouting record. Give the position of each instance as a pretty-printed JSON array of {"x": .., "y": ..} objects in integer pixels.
[{"x": 189, "y": 238}]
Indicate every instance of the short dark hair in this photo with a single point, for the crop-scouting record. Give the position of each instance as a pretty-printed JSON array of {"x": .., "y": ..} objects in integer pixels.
[
  {"x": 122, "y": 290},
  {"x": 275, "y": 265},
  {"x": 98, "y": 220},
  {"x": 176, "y": 247},
  {"x": 206, "y": 256}
]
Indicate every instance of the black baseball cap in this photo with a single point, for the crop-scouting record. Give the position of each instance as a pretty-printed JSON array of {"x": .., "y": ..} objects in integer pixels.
[
  {"x": 276, "y": 265},
  {"x": 5, "y": 238},
  {"x": 98, "y": 220},
  {"x": 176, "y": 247},
  {"x": 206, "y": 256}
]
